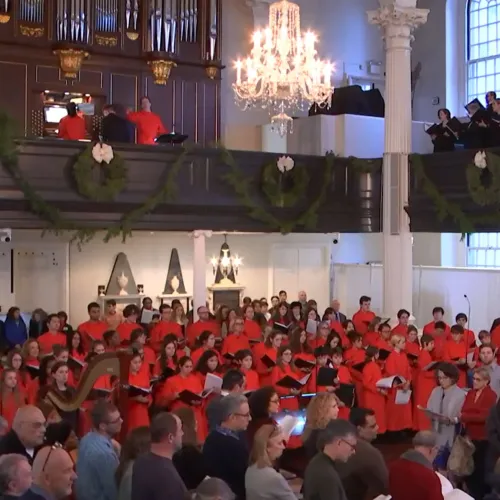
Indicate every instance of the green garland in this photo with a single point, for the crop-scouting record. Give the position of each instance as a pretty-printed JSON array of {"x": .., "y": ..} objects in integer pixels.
[
  {"x": 115, "y": 176},
  {"x": 272, "y": 185},
  {"x": 447, "y": 209},
  {"x": 481, "y": 194}
]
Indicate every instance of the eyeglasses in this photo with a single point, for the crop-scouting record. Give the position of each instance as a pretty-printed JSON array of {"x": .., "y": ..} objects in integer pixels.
[
  {"x": 352, "y": 446},
  {"x": 55, "y": 446},
  {"x": 243, "y": 415}
]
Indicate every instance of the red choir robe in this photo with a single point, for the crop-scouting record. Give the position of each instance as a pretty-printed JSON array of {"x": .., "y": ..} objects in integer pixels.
[
  {"x": 48, "y": 340},
  {"x": 352, "y": 357},
  {"x": 469, "y": 338},
  {"x": 234, "y": 343},
  {"x": 259, "y": 351},
  {"x": 361, "y": 320},
  {"x": 399, "y": 416},
  {"x": 10, "y": 402},
  {"x": 149, "y": 126},
  {"x": 251, "y": 380},
  {"x": 138, "y": 415},
  {"x": 125, "y": 329},
  {"x": 400, "y": 329},
  {"x": 194, "y": 330},
  {"x": 90, "y": 331},
  {"x": 252, "y": 330},
  {"x": 372, "y": 398},
  {"x": 370, "y": 338},
  {"x": 426, "y": 382},
  {"x": 439, "y": 343},
  {"x": 149, "y": 357},
  {"x": 32, "y": 392},
  {"x": 177, "y": 384},
  {"x": 337, "y": 327},
  {"x": 412, "y": 350},
  {"x": 161, "y": 330},
  {"x": 451, "y": 353},
  {"x": 385, "y": 345},
  {"x": 430, "y": 327},
  {"x": 318, "y": 342},
  {"x": 344, "y": 376}
]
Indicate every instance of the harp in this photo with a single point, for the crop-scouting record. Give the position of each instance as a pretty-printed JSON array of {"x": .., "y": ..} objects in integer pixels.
[{"x": 112, "y": 363}]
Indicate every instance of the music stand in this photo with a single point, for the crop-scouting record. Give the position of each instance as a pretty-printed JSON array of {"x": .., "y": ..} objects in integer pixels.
[{"x": 172, "y": 139}]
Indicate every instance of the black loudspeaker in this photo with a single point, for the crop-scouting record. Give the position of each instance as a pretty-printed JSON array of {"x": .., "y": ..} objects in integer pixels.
[{"x": 353, "y": 100}]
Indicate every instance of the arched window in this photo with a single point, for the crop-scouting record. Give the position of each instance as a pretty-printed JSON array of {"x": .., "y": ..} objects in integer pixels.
[
  {"x": 483, "y": 250},
  {"x": 483, "y": 48}
]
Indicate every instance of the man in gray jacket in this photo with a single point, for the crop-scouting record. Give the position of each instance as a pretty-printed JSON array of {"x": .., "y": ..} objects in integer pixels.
[{"x": 321, "y": 481}]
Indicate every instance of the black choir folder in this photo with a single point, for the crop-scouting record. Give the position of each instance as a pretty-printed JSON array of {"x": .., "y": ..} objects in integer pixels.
[
  {"x": 75, "y": 364},
  {"x": 383, "y": 354},
  {"x": 326, "y": 377},
  {"x": 167, "y": 372},
  {"x": 101, "y": 394},
  {"x": 33, "y": 370},
  {"x": 282, "y": 328},
  {"x": 135, "y": 391},
  {"x": 268, "y": 361},
  {"x": 292, "y": 383},
  {"x": 346, "y": 394},
  {"x": 304, "y": 364},
  {"x": 191, "y": 398}
]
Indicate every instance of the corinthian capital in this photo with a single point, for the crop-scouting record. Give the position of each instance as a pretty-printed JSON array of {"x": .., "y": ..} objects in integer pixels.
[
  {"x": 198, "y": 233},
  {"x": 260, "y": 10},
  {"x": 398, "y": 18}
]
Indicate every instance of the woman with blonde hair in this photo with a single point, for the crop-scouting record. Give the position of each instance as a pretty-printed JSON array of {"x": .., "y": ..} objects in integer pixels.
[
  {"x": 262, "y": 480},
  {"x": 322, "y": 408}
]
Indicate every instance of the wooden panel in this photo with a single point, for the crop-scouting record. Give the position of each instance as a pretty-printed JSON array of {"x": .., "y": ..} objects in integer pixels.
[
  {"x": 123, "y": 90},
  {"x": 207, "y": 129},
  {"x": 189, "y": 91},
  {"x": 162, "y": 100},
  {"x": 91, "y": 79},
  {"x": 49, "y": 74},
  {"x": 13, "y": 91}
]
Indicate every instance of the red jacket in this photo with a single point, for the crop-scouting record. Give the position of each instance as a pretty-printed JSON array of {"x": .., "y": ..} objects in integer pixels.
[
  {"x": 474, "y": 413},
  {"x": 411, "y": 479}
]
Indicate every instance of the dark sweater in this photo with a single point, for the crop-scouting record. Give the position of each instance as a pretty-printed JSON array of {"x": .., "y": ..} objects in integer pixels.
[
  {"x": 10, "y": 443},
  {"x": 321, "y": 480},
  {"x": 189, "y": 464},
  {"x": 365, "y": 474},
  {"x": 226, "y": 457}
]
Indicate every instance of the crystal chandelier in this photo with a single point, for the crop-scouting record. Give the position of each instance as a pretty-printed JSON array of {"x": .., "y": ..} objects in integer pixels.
[
  {"x": 283, "y": 72},
  {"x": 226, "y": 264}
]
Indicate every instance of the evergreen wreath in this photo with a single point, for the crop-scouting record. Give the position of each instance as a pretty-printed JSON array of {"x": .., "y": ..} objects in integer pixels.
[
  {"x": 115, "y": 176},
  {"x": 485, "y": 193},
  {"x": 275, "y": 191}
]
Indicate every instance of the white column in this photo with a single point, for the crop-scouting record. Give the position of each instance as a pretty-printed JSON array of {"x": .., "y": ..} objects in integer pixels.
[
  {"x": 397, "y": 20},
  {"x": 199, "y": 269},
  {"x": 260, "y": 10}
]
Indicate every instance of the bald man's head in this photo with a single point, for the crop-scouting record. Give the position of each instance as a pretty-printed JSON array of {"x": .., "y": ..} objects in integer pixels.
[
  {"x": 53, "y": 471},
  {"x": 29, "y": 425}
]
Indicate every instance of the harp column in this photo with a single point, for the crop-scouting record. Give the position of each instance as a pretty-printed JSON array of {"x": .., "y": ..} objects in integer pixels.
[
  {"x": 397, "y": 20},
  {"x": 199, "y": 269}
]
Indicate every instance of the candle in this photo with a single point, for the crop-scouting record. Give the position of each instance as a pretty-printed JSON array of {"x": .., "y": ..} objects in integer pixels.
[{"x": 238, "y": 72}]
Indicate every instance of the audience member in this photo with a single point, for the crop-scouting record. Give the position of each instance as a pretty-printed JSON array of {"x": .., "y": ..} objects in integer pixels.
[
  {"x": 365, "y": 474},
  {"x": 154, "y": 476},
  {"x": 137, "y": 443},
  {"x": 15, "y": 476},
  {"x": 233, "y": 382},
  {"x": 262, "y": 480},
  {"x": 188, "y": 460},
  {"x": 4, "y": 427},
  {"x": 264, "y": 405},
  {"x": 213, "y": 488},
  {"x": 53, "y": 473},
  {"x": 97, "y": 458},
  {"x": 322, "y": 409},
  {"x": 27, "y": 433},
  {"x": 321, "y": 480},
  {"x": 225, "y": 454},
  {"x": 411, "y": 477}
]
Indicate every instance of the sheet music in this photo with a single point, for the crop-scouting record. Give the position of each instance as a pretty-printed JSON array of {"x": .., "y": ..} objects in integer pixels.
[
  {"x": 387, "y": 382},
  {"x": 402, "y": 397}
]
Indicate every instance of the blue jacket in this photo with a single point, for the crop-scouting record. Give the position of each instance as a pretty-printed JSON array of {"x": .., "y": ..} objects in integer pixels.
[{"x": 15, "y": 332}]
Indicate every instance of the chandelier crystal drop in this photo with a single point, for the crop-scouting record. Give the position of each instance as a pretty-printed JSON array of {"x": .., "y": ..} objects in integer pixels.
[{"x": 283, "y": 72}]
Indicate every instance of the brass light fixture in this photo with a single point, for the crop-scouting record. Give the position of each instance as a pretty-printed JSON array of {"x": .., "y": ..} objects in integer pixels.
[
  {"x": 4, "y": 18},
  {"x": 71, "y": 60},
  {"x": 211, "y": 72},
  {"x": 161, "y": 70}
]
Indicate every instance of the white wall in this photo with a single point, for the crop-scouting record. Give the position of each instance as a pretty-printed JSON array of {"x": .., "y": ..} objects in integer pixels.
[{"x": 345, "y": 37}]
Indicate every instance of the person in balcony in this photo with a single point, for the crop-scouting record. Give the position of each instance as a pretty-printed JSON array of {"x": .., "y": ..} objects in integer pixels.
[
  {"x": 72, "y": 126},
  {"x": 149, "y": 124},
  {"x": 115, "y": 126}
]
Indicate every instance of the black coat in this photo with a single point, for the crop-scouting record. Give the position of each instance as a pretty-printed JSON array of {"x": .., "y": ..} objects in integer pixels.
[
  {"x": 117, "y": 129},
  {"x": 11, "y": 443}
]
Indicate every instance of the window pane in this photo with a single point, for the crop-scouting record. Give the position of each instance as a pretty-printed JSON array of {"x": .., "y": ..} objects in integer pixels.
[
  {"x": 493, "y": 240},
  {"x": 483, "y": 50},
  {"x": 492, "y": 12},
  {"x": 483, "y": 240}
]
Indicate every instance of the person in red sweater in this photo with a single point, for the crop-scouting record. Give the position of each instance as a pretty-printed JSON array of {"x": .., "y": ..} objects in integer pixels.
[
  {"x": 52, "y": 337},
  {"x": 411, "y": 476},
  {"x": 164, "y": 327},
  {"x": 477, "y": 406},
  {"x": 149, "y": 125},
  {"x": 204, "y": 322},
  {"x": 437, "y": 315},
  {"x": 94, "y": 328},
  {"x": 125, "y": 329},
  {"x": 72, "y": 126},
  {"x": 402, "y": 327},
  {"x": 364, "y": 316}
]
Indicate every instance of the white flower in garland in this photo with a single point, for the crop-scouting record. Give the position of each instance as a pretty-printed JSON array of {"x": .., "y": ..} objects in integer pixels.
[
  {"x": 480, "y": 160},
  {"x": 285, "y": 164},
  {"x": 102, "y": 153}
]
